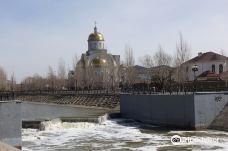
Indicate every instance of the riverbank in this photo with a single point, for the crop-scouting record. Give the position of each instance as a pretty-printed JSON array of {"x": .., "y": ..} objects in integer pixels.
[
  {"x": 33, "y": 113},
  {"x": 108, "y": 101}
]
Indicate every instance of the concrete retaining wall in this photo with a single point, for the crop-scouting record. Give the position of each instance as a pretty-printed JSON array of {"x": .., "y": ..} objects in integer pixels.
[
  {"x": 12, "y": 113},
  {"x": 32, "y": 111},
  {"x": 221, "y": 121},
  {"x": 5, "y": 147},
  {"x": 170, "y": 110},
  {"x": 10, "y": 122},
  {"x": 207, "y": 107},
  {"x": 180, "y": 111}
]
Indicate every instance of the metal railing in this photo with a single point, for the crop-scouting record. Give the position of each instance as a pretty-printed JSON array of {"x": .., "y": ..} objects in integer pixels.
[
  {"x": 168, "y": 90},
  {"x": 7, "y": 95},
  {"x": 69, "y": 92}
]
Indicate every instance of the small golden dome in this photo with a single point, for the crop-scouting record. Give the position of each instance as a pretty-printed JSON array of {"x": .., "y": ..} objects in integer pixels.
[
  {"x": 98, "y": 62},
  {"x": 96, "y": 36}
]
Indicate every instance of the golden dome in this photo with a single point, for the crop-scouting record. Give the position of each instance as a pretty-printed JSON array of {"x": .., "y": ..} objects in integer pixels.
[
  {"x": 96, "y": 36},
  {"x": 98, "y": 62}
]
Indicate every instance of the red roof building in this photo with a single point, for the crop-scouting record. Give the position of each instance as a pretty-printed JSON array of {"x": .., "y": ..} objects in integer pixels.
[{"x": 210, "y": 65}]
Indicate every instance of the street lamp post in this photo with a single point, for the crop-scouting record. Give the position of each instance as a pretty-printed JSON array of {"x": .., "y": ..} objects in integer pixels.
[{"x": 194, "y": 69}]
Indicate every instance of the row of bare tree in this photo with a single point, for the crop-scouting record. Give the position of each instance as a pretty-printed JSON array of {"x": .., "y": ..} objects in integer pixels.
[
  {"x": 3, "y": 80},
  {"x": 53, "y": 79},
  {"x": 162, "y": 61},
  {"x": 57, "y": 79},
  {"x": 5, "y": 83}
]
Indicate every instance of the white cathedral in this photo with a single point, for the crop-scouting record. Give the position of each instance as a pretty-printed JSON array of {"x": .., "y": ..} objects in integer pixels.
[{"x": 97, "y": 68}]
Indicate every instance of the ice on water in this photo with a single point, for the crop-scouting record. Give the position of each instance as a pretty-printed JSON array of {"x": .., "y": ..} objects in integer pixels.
[{"x": 110, "y": 135}]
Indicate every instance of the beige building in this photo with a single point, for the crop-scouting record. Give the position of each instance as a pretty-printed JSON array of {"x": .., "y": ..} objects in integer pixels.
[{"x": 97, "y": 68}]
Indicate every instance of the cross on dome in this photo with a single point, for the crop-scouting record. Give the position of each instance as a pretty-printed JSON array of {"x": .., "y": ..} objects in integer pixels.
[{"x": 95, "y": 28}]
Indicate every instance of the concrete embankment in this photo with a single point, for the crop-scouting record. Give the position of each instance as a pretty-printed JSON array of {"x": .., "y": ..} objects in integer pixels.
[
  {"x": 5, "y": 147},
  {"x": 43, "y": 111},
  {"x": 33, "y": 113},
  {"x": 94, "y": 100},
  {"x": 10, "y": 123},
  {"x": 195, "y": 111},
  {"x": 221, "y": 121}
]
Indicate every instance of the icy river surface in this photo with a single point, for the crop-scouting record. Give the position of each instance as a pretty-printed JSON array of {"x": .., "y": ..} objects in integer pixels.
[{"x": 117, "y": 135}]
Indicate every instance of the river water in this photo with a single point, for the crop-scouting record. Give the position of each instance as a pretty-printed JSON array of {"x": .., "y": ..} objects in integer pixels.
[{"x": 116, "y": 135}]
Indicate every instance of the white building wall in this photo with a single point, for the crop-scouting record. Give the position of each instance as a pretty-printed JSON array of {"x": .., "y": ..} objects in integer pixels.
[{"x": 204, "y": 66}]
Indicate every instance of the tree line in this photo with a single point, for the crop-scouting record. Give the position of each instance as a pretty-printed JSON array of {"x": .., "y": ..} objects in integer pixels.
[
  {"x": 162, "y": 67},
  {"x": 59, "y": 79}
]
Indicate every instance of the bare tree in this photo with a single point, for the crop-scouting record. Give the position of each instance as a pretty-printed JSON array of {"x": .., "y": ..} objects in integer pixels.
[
  {"x": 77, "y": 76},
  {"x": 61, "y": 74},
  {"x": 129, "y": 56},
  {"x": 92, "y": 78},
  {"x": 36, "y": 82},
  {"x": 51, "y": 78},
  {"x": 12, "y": 82},
  {"x": 183, "y": 53},
  {"x": 61, "y": 69},
  {"x": 75, "y": 61},
  {"x": 222, "y": 52},
  {"x": 146, "y": 61},
  {"x": 3, "y": 79},
  {"x": 129, "y": 65},
  {"x": 161, "y": 71},
  {"x": 162, "y": 58}
]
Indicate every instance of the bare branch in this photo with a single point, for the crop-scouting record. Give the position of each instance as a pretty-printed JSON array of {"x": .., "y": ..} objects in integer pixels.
[
  {"x": 129, "y": 56},
  {"x": 183, "y": 51},
  {"x": 146, "y": 61},
  {"x": 161, "y": 58}
]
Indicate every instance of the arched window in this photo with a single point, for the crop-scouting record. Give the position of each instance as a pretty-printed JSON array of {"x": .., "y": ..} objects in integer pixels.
[
  {"x": 213, "y": 68},
  {"x": 220, "y": 68}
]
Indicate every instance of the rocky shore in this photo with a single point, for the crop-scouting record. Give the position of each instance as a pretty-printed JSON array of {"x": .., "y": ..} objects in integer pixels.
[{"x": 103, "y": 101}]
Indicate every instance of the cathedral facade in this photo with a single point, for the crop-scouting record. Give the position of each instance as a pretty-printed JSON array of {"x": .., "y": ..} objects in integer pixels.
[{"x": 97, "y": 68}]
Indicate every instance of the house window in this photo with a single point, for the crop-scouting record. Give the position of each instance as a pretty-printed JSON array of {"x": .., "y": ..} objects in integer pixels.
[
  {"x": 213, "y": 68},
  {"x": 220, "y": 68}
]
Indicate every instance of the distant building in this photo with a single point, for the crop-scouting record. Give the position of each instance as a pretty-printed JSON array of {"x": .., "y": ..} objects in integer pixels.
[
  {"x": 144, "y": 75},
  {"x": 210, "y": 66},
  {"x": 97, "y": 68}
]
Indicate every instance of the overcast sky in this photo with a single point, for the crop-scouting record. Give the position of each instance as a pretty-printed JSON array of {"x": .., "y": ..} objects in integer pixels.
[{"x": 37, "y": 33}]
